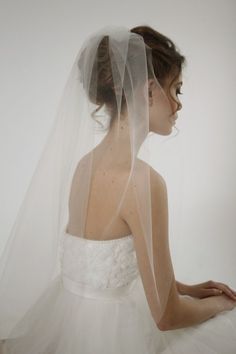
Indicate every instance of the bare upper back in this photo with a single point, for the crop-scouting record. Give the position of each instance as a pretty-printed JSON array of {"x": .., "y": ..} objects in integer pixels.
[{"x": 107, "y": 186}]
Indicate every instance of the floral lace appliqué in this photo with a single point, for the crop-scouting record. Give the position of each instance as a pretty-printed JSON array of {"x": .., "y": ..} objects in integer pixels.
[{"x": 99, "y": 264}]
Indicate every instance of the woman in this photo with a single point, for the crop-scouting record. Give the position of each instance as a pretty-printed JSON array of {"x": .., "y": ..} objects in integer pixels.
[{"x": 105, "y": 282}]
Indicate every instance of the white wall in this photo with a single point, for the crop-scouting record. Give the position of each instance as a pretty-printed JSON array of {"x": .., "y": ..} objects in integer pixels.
[{"x": 39, "y": 40}]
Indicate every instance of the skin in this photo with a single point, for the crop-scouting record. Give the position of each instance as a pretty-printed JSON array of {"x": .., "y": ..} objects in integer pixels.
[
  {"x": 162, "y": 116},
  {"x": 163, "y": 108},
  {"x": 164, "y": 104},
  {"x": 161, "y": 124}
]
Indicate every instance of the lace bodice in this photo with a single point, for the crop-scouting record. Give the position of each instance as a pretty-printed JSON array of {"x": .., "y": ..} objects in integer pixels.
[{"x": 99, "y": 264}]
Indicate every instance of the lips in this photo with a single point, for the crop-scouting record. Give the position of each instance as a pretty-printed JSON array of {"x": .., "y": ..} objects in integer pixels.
[{"x": 174, "y": 118}]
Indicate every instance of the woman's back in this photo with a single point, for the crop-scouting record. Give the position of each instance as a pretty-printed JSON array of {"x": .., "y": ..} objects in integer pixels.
[
  {"x": 105, "y": 194},
  {"x": 107, "y": 185}
]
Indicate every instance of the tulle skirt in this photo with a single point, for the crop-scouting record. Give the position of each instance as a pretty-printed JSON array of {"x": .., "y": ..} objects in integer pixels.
[{"x": 70, "y": 320}]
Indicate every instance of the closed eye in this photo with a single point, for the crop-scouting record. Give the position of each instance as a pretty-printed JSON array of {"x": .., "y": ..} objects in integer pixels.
[{"x": 178, "y": 92}]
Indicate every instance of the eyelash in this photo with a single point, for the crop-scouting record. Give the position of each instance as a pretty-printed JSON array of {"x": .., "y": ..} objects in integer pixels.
[{"x": 178, "y": 92}]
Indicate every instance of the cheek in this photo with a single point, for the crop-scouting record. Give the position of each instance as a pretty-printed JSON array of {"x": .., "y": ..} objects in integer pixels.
[
  {"x": 164, "y": 109},
  {"x": 174, "y": 103}
]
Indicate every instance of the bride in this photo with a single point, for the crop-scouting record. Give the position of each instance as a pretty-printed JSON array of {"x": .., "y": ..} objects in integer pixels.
[{"x": 100, "y": 275}]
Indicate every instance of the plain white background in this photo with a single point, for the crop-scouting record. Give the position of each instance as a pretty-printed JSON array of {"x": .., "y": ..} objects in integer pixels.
[{"x": 38, "y": 43}]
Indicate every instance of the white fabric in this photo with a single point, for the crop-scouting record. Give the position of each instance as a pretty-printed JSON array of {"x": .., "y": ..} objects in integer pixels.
[
  {"x": 69, "y": 155},
  {"x": 100, "y": 264},
  {"x": 107, "y": 318},
  {"x": 67, "y": 296}
]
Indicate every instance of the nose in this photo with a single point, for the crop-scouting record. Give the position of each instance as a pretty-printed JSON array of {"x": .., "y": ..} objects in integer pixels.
[{"x": 179, "y": 107}]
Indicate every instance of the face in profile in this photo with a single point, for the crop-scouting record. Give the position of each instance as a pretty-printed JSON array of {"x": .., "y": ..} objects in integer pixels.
[{"x": 164, "y": 104}]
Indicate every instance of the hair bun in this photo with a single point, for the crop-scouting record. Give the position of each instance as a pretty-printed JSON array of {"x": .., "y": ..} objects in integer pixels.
[{"x": 101, "y": 75}]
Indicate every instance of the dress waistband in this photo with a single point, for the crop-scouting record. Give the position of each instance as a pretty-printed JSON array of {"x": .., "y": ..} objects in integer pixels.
[{"x": 85, "y": 291}]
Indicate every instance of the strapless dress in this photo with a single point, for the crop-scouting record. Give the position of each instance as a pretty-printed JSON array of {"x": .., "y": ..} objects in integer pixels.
[{"x": 97, "y": 305}]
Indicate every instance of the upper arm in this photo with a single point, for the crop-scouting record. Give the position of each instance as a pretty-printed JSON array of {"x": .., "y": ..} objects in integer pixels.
[
  {"x": 161, "y": 252},
  {"x": 161, "y": 248}
]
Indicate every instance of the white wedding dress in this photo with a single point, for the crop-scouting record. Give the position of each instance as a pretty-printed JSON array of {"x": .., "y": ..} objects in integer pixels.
[{"x": 98, "y": 306}]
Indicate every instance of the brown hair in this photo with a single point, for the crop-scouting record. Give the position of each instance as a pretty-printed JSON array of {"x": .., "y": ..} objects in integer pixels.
[{"x": 166, "y": 60}]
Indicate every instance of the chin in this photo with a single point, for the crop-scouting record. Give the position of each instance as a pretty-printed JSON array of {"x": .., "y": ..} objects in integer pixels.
[
  {"x": 163, "y": 132},
  {"x": 166, "y": 133},
  {"x": 164, "y": 128}
]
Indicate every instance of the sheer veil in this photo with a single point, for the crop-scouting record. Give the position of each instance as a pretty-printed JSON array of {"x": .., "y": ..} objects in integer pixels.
[{"x": 31, "y": 259}]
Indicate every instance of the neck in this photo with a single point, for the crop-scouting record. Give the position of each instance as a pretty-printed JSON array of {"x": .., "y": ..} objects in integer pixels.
[{"x": 117, "y": 145}]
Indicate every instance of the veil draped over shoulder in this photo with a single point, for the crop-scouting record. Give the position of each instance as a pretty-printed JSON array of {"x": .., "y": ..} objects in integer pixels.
[{"x": 31, "y": 259}]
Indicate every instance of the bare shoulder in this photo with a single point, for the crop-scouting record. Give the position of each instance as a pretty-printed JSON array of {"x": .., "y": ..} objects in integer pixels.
[
  {"x": 158, "y": 190},
  {"x": 157, "y": 182},
  {"x": 156, "y": 179}
]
